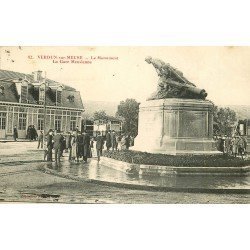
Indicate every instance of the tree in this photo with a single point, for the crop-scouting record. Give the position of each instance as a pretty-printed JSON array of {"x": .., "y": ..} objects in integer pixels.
[
  {"x": 100, "y": 115},
  {"x": 129, "y": 110},
  {"x": 224, "y": 119}
]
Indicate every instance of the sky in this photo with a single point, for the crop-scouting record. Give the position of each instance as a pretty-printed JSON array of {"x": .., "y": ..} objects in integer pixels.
[{"x": 121, "y": 72}]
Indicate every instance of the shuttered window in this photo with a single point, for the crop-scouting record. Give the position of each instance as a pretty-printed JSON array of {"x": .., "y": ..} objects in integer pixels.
[{"x": 24, "y": 93}]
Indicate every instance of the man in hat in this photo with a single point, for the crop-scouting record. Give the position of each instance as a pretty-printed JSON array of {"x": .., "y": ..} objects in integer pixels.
[
  {"x": 99, "y": 145},
  {"x": 113, "y": 140},
  {"x": 86, "y": 146},
  {"x": 40, "y": 140},
  {"x": 15, "y": 133},
  {"x": 49, "y": 145},
  {"x": 58, "y": 145},
  {"x": 108, "y": 140}
]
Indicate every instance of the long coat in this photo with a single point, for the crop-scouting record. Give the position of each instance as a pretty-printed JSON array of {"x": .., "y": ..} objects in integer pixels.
[
  {"x": 15, "y": 134},
  {"x": 86, "y": 145},
  {"x": 108, "y": 140},
  {"x": 99, "y": 142},
  {"x": 113, "y": 140},
  {"x": 49, "y": 141},
  {"x": 68, "y": 141},
  {"x": 74, "y": 146},
  {"x": 80, "y": 145},
  {"x": 58, "y": 142}
]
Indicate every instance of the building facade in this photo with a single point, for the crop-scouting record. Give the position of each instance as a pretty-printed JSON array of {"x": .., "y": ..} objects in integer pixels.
[
  {"x": 100, "y": 125},
  {"x": 30, "y": 99},
  {"x": 112, "y": 123}
]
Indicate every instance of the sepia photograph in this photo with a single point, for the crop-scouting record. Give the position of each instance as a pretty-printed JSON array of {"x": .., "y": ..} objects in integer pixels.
[{"x": 125, "y": 125}]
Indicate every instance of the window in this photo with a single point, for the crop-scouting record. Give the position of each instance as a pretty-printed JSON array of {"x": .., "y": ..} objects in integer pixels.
[
  {"x": 2, "y": 120},
  {"x": 58, "y": 122},
  {"x": 72, "y": 123},
  {"x": 59, "y": 95},
  {"x": 71, "y": 98},
  {"x": 24, "y": 93},
  {"x": 40, "y": 122},
  {"x": 42, "y": 93},
  {"x": 22, "y": 121}
]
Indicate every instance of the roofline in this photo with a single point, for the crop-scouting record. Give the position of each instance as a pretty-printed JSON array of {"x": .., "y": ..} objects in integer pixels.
[
  {"x": 10, "y": 79},
  {"x": 39, "y": 106}
]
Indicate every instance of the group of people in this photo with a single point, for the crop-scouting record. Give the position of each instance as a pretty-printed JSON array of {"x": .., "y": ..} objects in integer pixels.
[
  {"x": 32, "y": 133},
  {"x": 235, "y": 145},
  {"x": 80, "y": 145},
  {"x": 118, "y": 142},
  {"x": 76, "y": 144}
]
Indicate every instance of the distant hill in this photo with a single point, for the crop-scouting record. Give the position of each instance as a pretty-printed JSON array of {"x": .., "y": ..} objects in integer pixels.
[
  {"x": 242, "y": 111},
  {"x": 92, "y": 106}
]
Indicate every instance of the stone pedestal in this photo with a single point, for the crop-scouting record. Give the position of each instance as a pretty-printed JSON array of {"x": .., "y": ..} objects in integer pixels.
[{"x": 176, "y": 126}]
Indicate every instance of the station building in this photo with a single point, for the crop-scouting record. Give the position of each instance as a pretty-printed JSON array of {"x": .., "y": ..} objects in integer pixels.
[{"x": 30, "y": 99}]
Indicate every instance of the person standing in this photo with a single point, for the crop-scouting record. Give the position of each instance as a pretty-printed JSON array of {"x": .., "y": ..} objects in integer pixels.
[
  {"x": 127, "y": 141},
  {"x": 123, "y": 142},
  {"x": 86, "y": 146},
  {"x": 68, "y": 141},
  {"x": 113, "y": 141},
  {"x": 118, "y": 142},
  {"x": 49, "y": 145},
  {"x": 15, "y": 133},
  {"x": 74, "y": 147},
  {"x": 40, "y": 140},
  {"x": 99, "y": 145},
  {"x": 132, "y": 141},
  {"x": 58, "y": 146},
  {"x": 92, "y": 152},
  {"x": 29, "y": 132},
  {"x": 35, "y": 133},
  {"x": 80, "y": 145},
  {"x": 32, "y": 133},
  {"x": 235, "y": 142},
  {"x": 63, "y": 145},
  {"x": 108, "y": 140}
]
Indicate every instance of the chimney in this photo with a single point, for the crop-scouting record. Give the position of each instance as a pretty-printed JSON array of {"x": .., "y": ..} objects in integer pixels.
[{"x": 37, "y": 76}]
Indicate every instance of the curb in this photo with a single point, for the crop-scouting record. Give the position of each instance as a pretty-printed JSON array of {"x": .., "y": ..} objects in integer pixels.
[
  {"x": 21, "y": 162},
  {"x": 158, "y": 170},
  {"x": 149, "y": 188},
  {"x": 5, "y": 141}
]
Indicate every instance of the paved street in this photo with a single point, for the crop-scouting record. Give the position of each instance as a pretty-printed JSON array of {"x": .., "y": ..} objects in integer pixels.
[{"x": 22, "y": 179}]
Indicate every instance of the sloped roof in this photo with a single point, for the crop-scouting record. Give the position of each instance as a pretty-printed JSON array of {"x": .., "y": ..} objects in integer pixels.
[
  {"x": 11, "y": 75},
  {"x": 11, "y": 95}
]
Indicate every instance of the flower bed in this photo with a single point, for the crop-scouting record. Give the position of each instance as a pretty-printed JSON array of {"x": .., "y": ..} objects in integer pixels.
[{"x": 138, "y": 157}]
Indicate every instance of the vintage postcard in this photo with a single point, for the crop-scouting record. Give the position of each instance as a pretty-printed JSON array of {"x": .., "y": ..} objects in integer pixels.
[{"x": 125, "y": 124}]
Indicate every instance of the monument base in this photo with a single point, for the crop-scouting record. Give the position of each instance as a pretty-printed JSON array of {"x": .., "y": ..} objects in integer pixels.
[{"x": 176, "y": 126}]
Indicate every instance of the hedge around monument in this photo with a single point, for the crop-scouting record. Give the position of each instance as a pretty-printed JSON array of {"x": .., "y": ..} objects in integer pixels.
[{"x": 138, "y": 157}]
